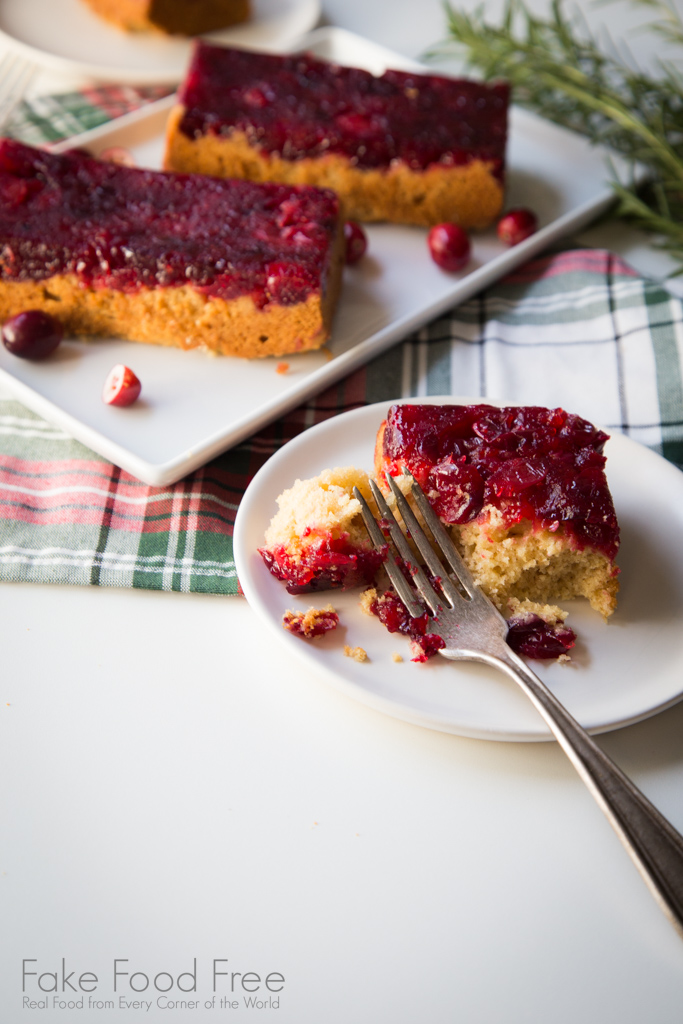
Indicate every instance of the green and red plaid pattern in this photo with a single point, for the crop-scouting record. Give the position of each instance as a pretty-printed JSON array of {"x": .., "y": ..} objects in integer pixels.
[{"x": 578, "y": 329}]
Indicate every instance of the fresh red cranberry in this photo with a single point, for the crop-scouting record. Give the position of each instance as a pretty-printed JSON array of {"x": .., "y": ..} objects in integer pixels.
[
  {"x": 32, "y": 334},
  {"x": 517, "y": 225},
  {"x": 121, "y": 387},
  {"x": 449, "y": 246},
  {"x": 356, "y": 242}
]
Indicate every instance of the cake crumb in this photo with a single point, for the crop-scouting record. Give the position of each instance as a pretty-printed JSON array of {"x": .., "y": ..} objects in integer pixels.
[
  {"x": 396, "y": 656},
  {"x": 326, "y": 352},
  {"x": 367, "y": 601},
  {"x": 282, "y": 368},
  {"x": 357, "y": 653},
  {"x": 315, "y": 622}
]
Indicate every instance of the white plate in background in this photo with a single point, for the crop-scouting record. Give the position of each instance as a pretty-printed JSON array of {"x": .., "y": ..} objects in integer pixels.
[
  {"x": 621, "y": 672},
  {"x": 195, "y": 406},
  {"x": 66, "y": 36}
]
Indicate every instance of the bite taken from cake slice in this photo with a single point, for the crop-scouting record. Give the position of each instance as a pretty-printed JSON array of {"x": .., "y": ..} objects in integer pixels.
[
  {"x": 403, "y": 147},
  {"x": 317, "y": 540},
  {"x": 231, "y": 267}
]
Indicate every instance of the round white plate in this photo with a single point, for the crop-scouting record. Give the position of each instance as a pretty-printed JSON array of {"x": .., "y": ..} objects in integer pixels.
[
  {"x": 620, "y": 672},
  {"x": 67, "y": 36}
]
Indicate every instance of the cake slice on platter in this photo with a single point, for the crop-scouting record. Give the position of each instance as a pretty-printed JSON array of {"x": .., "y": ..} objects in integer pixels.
[
  {"x": 522, "y": 491},
  {"x": 233, "y": 267},
  {"x": 402, "y": 147}
]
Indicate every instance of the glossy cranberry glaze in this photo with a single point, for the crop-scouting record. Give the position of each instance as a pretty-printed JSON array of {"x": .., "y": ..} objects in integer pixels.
[
  {"x": 327, "y": 564},
  {"x": 127, "y": 228},
  {"x": 531, "y": 463},
  {"x": 298, "y": 106}
]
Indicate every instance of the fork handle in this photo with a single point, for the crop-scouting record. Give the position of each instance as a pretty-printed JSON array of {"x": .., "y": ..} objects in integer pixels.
[{"x": 653, "y": 843}]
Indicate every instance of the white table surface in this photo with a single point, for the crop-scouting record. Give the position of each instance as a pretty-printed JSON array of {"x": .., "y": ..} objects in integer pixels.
[{"x": 177, "y": 787}]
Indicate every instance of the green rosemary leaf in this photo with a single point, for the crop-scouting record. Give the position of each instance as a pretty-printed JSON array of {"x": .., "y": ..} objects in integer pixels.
[{"x": 559, "y": 70}]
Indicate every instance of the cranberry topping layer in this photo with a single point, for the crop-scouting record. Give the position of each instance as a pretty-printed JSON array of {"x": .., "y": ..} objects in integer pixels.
[
  {"x": 128, "y": 228},
  {"x": 298, "y": 106},
  {"x": 327, "y": 564},
  {"x": 531, "y": 463}
]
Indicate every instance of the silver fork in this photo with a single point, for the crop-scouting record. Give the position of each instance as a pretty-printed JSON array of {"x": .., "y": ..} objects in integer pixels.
[
  {"x": 474, "y": 630},
  {"x": 16, "y": 74}
]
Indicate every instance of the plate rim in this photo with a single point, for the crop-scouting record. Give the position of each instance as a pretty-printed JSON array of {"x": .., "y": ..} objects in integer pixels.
[
  {"x": 109, "y": 73},
  {"x": 242, "y": 555}
]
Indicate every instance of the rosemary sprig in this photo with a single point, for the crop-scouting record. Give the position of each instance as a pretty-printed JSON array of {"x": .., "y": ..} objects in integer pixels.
[{"x": 559, "y": 70}]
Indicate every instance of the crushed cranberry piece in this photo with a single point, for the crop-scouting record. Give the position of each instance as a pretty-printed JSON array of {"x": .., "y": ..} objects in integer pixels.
[
  {"x": 310, "y": 624},
  {"x": 328, "y": 564},
  {"x": 127, "y": 228},
  {"x": 392, "y": 613},
  {"x": 531, "y": 463},
  {"x": 455, "y": 491},
  {"x": 311, "y": 107},
  {"x": 535, "y": 638}
]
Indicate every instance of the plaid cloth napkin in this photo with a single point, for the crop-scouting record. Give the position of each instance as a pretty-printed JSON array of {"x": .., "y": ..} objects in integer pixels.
[{"x": 578, "y": 329}]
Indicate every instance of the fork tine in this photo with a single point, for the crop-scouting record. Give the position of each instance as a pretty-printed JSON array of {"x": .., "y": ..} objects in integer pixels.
[
  {"x": 400, "y": 584},
  {"x": 423, "y": 545},
  {"x": 417, "y": 574},
  {"x": 447, "y": 546}
]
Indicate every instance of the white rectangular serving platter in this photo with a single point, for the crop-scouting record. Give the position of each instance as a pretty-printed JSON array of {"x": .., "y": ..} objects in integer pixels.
[{"x": 194, "y": 406}]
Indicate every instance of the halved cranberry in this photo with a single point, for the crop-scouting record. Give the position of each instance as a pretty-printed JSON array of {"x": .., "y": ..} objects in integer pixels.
[
  {"x": 356, "y": 242},
  {"x": 33, "y": 334},
  {"x": 121, "y": 387},
  {"x": 517, "y": 225},
  {"x": 449, "y": 246}
]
